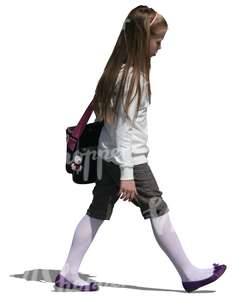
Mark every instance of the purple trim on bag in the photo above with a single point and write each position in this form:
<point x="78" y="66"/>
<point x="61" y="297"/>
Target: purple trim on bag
<point x="77" y="132"/>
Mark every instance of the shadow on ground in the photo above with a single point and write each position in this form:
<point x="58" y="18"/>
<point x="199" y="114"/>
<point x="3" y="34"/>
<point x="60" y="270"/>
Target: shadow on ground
<point x="45" y="275"/>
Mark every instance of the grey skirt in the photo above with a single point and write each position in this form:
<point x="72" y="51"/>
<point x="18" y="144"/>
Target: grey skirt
<point x="105" y="192"/>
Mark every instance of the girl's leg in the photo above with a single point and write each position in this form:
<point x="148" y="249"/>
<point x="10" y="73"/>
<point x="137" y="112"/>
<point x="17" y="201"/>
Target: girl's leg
<point x="83" y="236"/>
<point x="171" y="245"/>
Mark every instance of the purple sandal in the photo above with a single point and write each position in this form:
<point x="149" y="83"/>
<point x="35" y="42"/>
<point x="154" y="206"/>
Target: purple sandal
<point x="190" y="286"/>
<point x="62" y="282"/>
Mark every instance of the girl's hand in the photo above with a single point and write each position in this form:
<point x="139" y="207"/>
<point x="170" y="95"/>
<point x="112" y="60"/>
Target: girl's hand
<point x="128" y="190"/>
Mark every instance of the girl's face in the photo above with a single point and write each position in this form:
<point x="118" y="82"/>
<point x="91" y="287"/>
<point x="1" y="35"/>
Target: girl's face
<point x="155" y="43"/>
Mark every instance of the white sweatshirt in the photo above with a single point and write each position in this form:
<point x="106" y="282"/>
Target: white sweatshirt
<point x="123" y="143"/>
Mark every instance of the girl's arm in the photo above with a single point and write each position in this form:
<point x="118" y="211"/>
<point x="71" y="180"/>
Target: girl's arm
<point x="123" y="135"/>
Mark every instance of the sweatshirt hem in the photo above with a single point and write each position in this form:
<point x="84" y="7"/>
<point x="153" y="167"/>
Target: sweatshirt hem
<point x="137" y="160"/>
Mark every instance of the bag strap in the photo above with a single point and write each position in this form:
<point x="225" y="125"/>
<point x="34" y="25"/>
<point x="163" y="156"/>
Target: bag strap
<point x="77" y="132"/>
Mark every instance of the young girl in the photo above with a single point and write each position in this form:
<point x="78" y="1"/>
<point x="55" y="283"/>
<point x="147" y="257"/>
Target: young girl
<point x="121" y="101"/>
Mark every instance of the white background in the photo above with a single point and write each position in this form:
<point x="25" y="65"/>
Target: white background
<point x="52" y="56"/>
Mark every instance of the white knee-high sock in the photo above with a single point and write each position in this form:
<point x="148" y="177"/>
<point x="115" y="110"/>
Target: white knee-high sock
<point x="171" y="245"/>
<point x="83" y="236"/>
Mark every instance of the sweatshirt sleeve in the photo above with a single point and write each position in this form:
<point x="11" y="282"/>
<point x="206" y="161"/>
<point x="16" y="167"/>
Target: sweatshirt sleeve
<point x="123" y="135"/>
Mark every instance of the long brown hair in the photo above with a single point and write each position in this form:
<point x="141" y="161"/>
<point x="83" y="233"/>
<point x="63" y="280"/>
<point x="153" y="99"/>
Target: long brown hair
<point x="132" y="50"/>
